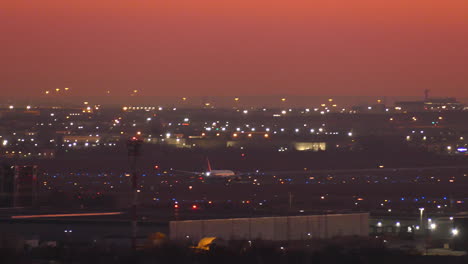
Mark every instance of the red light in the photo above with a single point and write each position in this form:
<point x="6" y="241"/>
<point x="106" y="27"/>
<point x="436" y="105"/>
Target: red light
<point x="134" y="138"/>
<point x="243" y="155"/>
<point x="156" y="167"/>
<point x="176" y="206"/>
<point x="194" y="206"/>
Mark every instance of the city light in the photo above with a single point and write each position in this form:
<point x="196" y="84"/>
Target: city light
<point x="454" y="231"/>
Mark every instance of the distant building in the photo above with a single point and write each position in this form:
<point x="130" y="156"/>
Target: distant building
<point x="370" y="109"/>
<point x="431" y="104"/>
<point x="7" y="176"/>
<point x="25" y="186"/>
<point x="310" y="146"/>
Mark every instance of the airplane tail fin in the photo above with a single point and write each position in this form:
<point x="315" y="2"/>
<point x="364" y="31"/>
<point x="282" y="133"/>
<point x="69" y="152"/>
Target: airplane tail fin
<point x="208" y="165"/>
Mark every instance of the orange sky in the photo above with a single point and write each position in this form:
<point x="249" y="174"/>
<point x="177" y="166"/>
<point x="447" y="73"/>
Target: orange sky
<point x="217" y="47"/>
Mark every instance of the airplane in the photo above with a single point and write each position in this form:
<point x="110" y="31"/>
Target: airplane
<point x="213" y="174"/>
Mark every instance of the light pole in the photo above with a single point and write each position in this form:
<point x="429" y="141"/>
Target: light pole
<point x="134" y="146"/>
<point x="421" y="211"/>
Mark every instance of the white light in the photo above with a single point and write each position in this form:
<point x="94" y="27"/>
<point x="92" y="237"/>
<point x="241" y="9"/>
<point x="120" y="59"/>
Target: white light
<point x="379" y="224"/>
<point x="455" y="231"/>
<point x="5" y="142"/>
<point x="433" y="226"/>
<point x="398" y="224"/>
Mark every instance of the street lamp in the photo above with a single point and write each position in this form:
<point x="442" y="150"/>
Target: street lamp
<point x="134" y="149"/>
<point x="421" y="211"/>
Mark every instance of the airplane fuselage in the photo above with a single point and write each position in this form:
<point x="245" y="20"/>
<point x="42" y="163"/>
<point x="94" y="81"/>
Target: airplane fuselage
<point x="220" y="173"/>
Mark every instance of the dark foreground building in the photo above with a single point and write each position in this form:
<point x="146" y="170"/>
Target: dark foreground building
<point x="284" y="228"/>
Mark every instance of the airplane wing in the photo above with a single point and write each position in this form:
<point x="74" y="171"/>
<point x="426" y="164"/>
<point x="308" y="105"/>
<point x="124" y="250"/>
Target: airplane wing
<point x="189" y="172"/>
